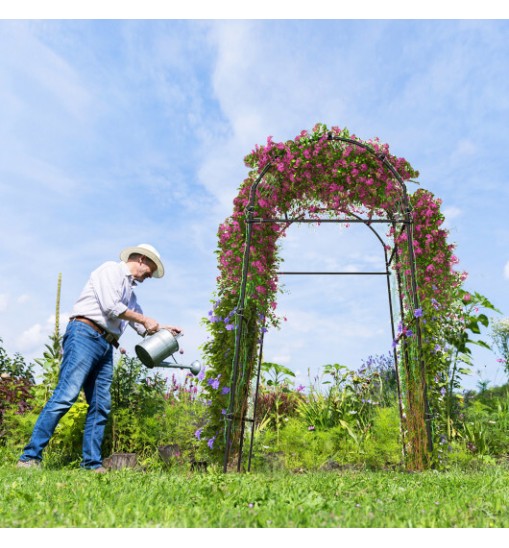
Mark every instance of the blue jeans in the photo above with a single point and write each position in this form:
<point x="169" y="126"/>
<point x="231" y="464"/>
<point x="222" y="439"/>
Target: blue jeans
<point x="87" y="363"/>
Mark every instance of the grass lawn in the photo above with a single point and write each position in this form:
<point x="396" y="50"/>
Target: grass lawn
<point x="130" y="499"/>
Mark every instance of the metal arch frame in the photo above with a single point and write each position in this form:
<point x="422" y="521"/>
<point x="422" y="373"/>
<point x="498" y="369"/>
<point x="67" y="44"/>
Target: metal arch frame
<point x="406" y="223"/>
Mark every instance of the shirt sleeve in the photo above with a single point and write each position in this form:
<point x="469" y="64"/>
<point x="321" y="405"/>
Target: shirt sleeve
<point x="108" y="283"/>
<point x="138" y="327"/>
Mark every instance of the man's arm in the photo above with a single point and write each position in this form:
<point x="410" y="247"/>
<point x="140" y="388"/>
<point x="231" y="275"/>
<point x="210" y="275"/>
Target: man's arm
<point x="151" y="325"/>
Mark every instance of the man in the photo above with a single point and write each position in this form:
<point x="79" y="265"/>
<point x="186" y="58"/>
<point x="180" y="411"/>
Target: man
<point x="105" y="307"/>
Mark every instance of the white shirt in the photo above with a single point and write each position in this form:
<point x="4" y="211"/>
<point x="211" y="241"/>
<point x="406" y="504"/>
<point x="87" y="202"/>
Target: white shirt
<point x="107" y="294"/>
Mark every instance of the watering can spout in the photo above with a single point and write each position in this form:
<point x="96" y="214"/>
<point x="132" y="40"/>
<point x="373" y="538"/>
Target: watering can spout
<point x="194" y="368"/>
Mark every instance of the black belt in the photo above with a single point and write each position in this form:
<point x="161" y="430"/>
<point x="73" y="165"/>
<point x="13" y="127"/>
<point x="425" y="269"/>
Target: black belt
<point x="108" y="336"/>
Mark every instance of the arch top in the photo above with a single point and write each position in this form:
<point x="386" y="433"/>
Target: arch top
<point x="307" y="170"/>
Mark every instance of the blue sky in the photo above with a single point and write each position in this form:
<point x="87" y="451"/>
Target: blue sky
<point x="119" y="132"/>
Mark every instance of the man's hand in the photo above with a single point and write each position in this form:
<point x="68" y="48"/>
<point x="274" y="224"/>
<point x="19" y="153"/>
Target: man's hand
<point x="174" y="330"/>
<point x="152" y="326"/>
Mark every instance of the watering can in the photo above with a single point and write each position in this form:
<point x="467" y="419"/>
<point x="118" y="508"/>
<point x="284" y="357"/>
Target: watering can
<point x="154" y="349"/>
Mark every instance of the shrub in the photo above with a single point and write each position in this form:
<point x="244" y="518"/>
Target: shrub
<point x="382" y="447"/>
<point x="16" y="387"/>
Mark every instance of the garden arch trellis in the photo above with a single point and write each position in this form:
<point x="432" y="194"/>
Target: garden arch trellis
<point x="327" y="171"/>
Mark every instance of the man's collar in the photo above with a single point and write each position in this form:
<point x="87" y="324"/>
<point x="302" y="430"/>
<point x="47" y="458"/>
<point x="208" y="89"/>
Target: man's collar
<point x="128" y="273"/>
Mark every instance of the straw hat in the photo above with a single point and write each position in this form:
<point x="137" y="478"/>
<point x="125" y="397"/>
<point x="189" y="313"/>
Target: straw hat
<point x="150" y="252"/>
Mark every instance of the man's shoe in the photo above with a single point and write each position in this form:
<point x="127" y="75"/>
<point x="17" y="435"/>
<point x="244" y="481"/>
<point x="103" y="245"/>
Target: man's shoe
<point x="31" y="463"/>
<point x="100" y="470"/>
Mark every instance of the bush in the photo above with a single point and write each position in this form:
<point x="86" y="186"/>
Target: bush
<point x="150" y="411"/>
<point x="16" y="388"/>
<point x="382" y="447"/>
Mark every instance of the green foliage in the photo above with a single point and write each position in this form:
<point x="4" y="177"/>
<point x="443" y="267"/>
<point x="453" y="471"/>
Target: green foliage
<point x="500" y="337"/>
<point x="15" y="366"/>
<point x="52" y="356"/>
<point x="383" y="381"/>
<point x="137" y="400"/>
<point x="340" y="422"/>
<point x="277" y="400"/>
<point x="149" y="411"/>
<point x="16" y="430"/>
<point x="276" y="374"/>
<point x="344" y="402"/>
<point x="50" y="363"/>
<point x="382" y="447"/>
<point x="461" y="332"/>
<point x="485" y="425"/>
<point x="16" y="387"/>
<point x="65" y="446"/>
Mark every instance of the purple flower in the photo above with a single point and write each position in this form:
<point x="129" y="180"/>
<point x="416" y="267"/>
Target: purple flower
<point x="230" y="327"/>
<point x="214" y="382"/>
<point x="418" y="313"/>
<point x="225" y="390"/>
<point x="198" y="433"/>
<point x="211" y="441"/>
<point x="300" y="388"/>
<point x="311" y="427"/>
<point x="409" y="333"/>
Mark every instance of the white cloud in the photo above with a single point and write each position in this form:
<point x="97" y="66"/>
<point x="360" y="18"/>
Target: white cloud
<point x="506" y="270"/>
<point x="23" y="298"/>
<point x="36" y="336"/>
<point x="31" y="338"/>
<point x="4" y="301"/>
<point x="452" y="212"/>
<point x="465" y="147"/>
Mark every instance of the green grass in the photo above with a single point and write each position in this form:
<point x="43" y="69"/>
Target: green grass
<point x="75" y="498"/>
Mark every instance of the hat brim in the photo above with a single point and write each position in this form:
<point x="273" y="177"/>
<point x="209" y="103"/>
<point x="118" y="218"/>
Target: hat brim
<point x="128" y="251"/>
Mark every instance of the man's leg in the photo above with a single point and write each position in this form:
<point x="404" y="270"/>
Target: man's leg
<point x="79" y="356"/>
<point x="97" y="391"/>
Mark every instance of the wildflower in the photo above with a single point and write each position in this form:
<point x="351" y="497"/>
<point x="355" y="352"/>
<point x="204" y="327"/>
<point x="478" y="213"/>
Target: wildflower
<point x="225" y="390"/>
<point x="211" y="441"/>
<point x="214" y="383"/>
<point x="418" y="313"/>
<point x="300" y="388"/>
<point x="310" y="428"/>
<point x="198" y="433"/>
